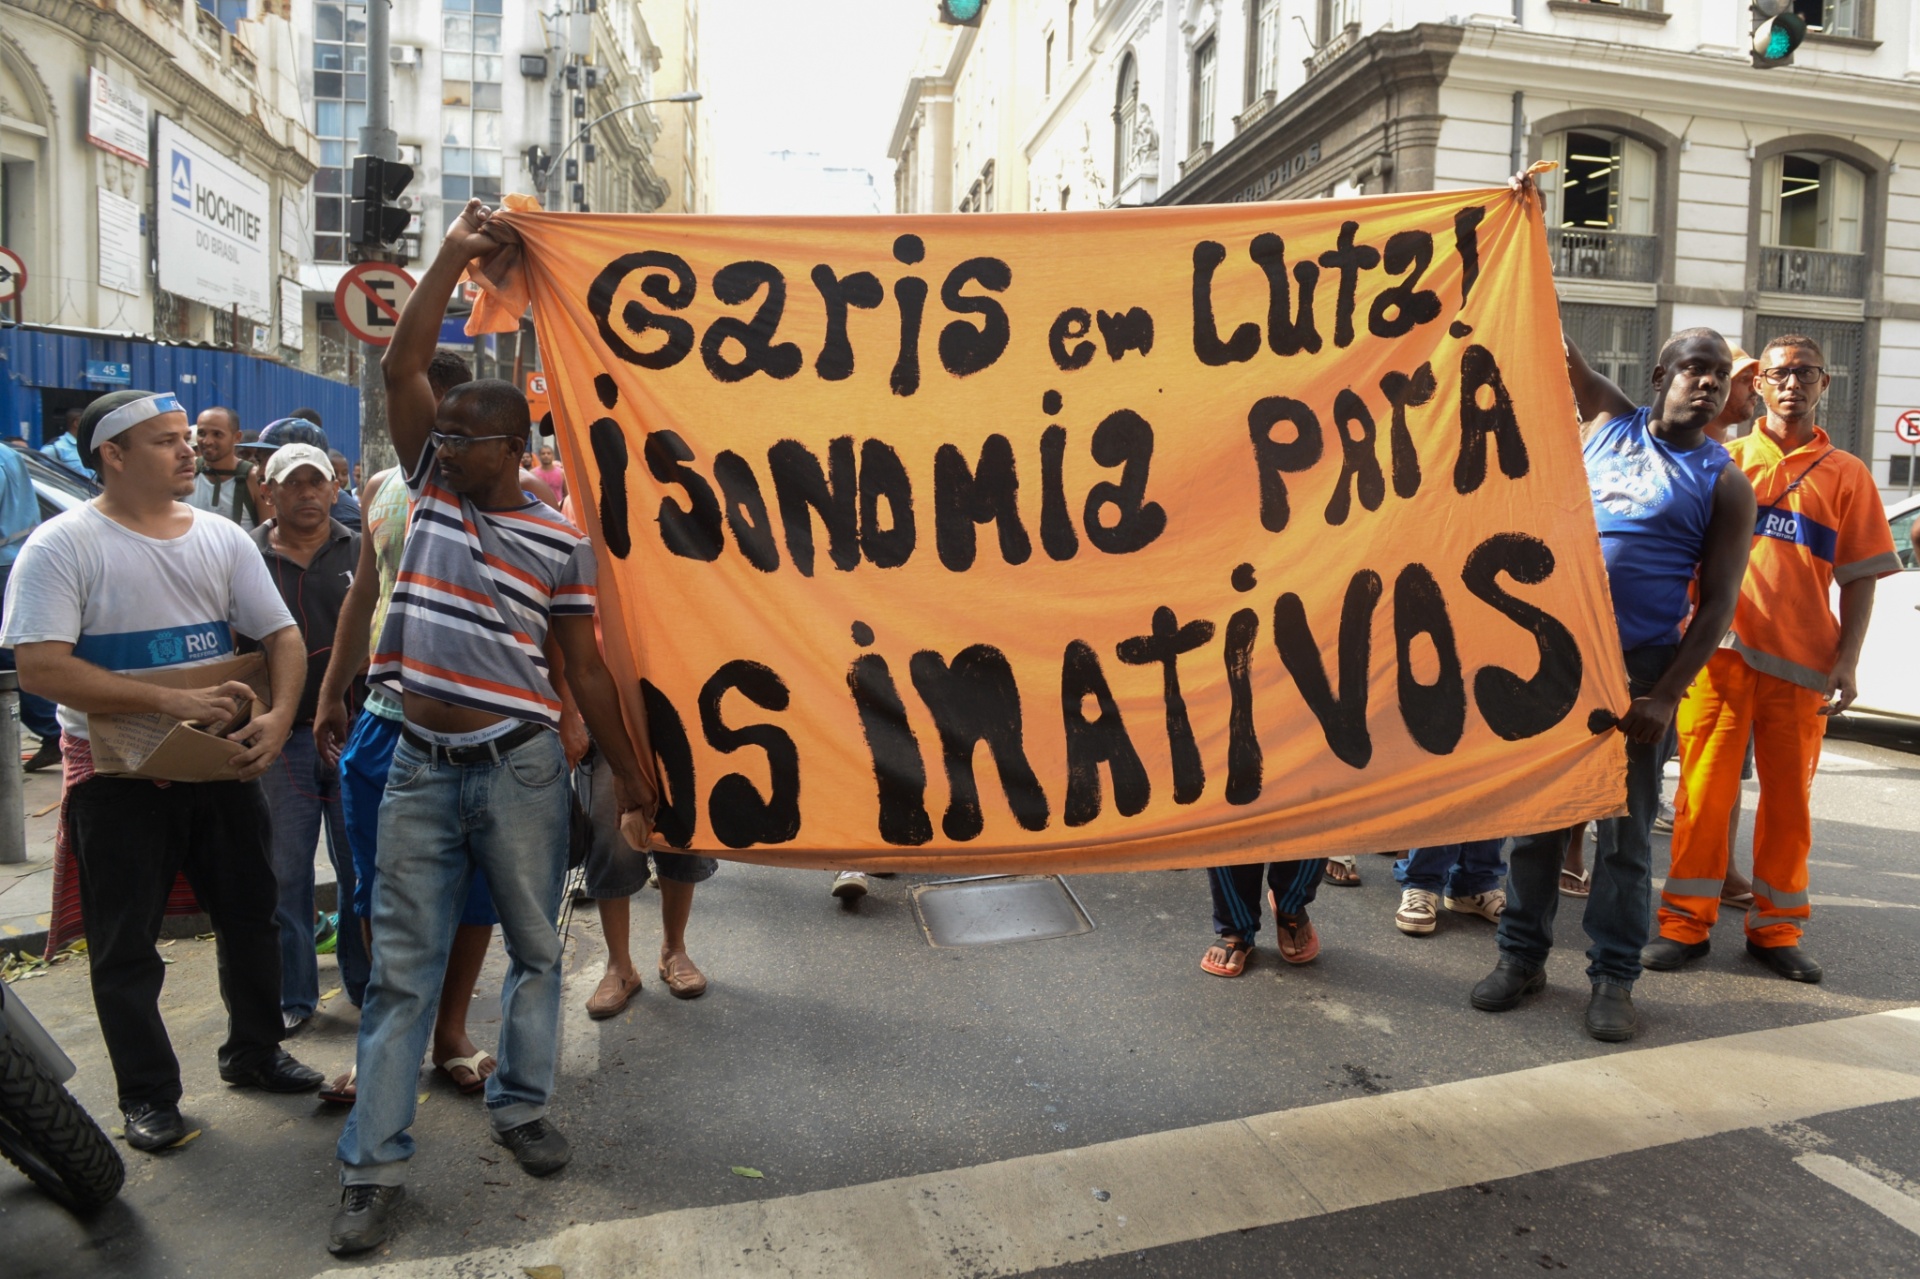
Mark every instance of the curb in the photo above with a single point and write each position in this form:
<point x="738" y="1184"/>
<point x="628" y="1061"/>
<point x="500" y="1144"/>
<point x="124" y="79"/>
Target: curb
<point x="174" y="927"/>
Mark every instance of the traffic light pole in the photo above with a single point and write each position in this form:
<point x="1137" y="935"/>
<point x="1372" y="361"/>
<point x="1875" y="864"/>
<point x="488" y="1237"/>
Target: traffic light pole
<point x="377" y="138"/>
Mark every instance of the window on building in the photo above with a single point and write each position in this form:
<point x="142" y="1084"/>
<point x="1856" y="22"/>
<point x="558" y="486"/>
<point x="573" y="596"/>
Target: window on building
<point x="339" y="111"/>
<point x="470" y="100"/>
<point x="1617" y="341"/>
<point x="1336" y="16"/>
<point x="1841" y="343"/>
<point x="231" y="13"/>
<point x="1047" y="71"/>
<point x="1833" y="17"/>
<point x="1812" y="202"/>
<point x="1205" y="59"/>
<point x="1126" y="120"/>
<point x="1599" y="203"/>
<point x="1071" y="6"/>
<point x="1265" y="48"/>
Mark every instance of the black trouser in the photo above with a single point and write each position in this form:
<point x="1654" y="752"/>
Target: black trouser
<point x="130" y="839"/>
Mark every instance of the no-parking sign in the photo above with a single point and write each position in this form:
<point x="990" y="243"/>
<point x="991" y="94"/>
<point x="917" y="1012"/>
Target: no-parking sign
<point x="368" y="300"/>
<point x="13" y="275"/>
<point x="1906" y="427"/>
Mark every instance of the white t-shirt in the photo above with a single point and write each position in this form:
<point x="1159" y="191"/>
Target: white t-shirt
<point x="128" y="602"/>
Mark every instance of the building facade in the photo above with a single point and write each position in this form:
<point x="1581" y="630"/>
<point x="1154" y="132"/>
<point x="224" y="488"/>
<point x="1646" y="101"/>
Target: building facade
<point x="682" y="155"/>
<point x="482" y="91"/>
<point x="1693" y="187"/>
<point x="153" y="161"/>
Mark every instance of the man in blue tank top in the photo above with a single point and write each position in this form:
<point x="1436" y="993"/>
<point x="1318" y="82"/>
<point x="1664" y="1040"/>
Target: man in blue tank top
<point x="1672" y="510"/>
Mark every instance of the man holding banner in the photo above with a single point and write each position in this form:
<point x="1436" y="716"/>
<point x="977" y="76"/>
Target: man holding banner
<point x="1669" y="503"/>
<point x="479" y="777"/>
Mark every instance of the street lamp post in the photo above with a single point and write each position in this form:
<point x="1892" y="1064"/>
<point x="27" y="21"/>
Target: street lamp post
<point x="556" y="170"/>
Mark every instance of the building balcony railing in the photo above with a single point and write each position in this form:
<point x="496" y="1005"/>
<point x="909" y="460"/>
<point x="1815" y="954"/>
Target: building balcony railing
<point x="1200" y="155"/>
<point x="1582" y="254"/>
<point x="1337" y="45"/>
<point x="1261" y="104"/>
<point x="1812" y="271"/>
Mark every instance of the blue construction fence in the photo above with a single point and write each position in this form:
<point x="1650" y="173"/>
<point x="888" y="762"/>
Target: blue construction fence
<point x="45" y="372"/>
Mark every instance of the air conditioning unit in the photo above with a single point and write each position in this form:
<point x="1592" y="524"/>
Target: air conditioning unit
<point x="404" y="55"/>
<point x="410" y="155"/>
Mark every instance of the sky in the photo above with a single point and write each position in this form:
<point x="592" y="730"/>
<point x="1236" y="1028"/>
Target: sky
<point x="803" y="95"/>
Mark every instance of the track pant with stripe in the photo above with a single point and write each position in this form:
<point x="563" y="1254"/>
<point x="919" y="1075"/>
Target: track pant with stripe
<point x="1728" y="701"/>
<point x="1236" y="892"/>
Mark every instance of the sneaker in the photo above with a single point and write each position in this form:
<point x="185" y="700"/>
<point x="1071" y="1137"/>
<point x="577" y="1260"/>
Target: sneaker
<point x="1663" y="821"/>
<point x="1489" y="905"/>
<point x="537" y="1146"/>
<point x="365" y="1218"/>
<point x="326" y="935"/>
<point x="850" y="885"/>
<point x="1419" y="912"/>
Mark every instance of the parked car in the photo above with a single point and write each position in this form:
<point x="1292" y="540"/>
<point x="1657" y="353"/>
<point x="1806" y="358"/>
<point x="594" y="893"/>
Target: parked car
<point x="1890" y="660"/>
<point x="57" y="488"/>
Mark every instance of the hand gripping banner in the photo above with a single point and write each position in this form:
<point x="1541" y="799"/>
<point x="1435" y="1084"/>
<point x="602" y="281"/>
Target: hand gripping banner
<point x="1073" y="542"/>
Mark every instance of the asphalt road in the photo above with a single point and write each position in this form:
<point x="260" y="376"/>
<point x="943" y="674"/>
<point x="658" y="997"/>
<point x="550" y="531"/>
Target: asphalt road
<point x="872" y="1078"/>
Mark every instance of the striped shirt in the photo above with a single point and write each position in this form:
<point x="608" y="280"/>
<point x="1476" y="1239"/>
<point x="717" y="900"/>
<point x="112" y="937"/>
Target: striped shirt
<point x="468" y="620"/>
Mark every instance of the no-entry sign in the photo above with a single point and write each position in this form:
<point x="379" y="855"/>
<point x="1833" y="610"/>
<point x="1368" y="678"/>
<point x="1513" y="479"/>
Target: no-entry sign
<point x="368" y="300"/>
<point x="13" y="275"/>
<point x="1906" y="427"/>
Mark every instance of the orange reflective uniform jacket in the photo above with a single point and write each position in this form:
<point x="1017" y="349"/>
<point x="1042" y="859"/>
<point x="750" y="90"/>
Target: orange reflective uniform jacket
<point x="1821" y="522"/>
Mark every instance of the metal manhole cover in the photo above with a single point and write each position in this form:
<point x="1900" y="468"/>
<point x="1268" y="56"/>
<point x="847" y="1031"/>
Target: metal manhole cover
<point x="999" y="908"/>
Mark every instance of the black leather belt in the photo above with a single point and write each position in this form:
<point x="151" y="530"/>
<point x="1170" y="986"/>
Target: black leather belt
<point x="487" y="752"/>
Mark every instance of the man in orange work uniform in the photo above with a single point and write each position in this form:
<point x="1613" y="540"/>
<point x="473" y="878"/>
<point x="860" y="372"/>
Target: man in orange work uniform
<point x="1787" y="666"/>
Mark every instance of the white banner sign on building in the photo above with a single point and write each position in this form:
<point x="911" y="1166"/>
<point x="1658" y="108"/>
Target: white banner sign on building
<point x="212" y="238"/>
<point x="116" y="117"/>
<point x="293" y="320"/>
<point x="119" y="243"/>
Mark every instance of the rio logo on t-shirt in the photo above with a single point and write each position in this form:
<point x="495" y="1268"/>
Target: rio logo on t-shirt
<point x="166" y="646"/>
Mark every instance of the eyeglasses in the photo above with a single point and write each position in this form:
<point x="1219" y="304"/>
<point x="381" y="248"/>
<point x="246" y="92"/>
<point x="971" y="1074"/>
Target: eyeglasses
<point x="447" y="442"/>
<point x="1805" y="374"/>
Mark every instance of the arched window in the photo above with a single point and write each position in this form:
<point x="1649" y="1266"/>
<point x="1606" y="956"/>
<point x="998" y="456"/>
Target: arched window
<point x="1600" y="205"/>
<point x="1126" y="119"/>
<point x="1812" y="208"/>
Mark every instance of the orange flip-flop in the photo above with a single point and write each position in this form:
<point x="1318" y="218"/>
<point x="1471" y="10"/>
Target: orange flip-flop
<point x="1239" y="953"/>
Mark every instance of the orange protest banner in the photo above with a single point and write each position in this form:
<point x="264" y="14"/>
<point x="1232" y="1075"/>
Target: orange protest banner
<point x="1085" y="542"/>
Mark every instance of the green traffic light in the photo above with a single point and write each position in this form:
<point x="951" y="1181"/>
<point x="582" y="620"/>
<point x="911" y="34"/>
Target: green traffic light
<point x="1779" y="44"/>
<point x="964" y="10"/>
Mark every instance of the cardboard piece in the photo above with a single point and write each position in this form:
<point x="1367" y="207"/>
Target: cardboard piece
<point x="165" y="749"/>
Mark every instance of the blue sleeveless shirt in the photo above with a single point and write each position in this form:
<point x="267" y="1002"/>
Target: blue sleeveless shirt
<point x="1652" y="504"/>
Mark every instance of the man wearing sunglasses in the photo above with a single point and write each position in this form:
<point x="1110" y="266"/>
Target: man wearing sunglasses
<point x="479" y="779"/>
<point x="1787" y="666"/>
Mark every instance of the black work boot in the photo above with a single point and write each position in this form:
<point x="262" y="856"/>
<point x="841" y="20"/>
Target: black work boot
<point x="1664" y="954"/>
<point x="1610" y="1015"/>
<point x="1508" y="983"/>
<point x="1789" y="961"/>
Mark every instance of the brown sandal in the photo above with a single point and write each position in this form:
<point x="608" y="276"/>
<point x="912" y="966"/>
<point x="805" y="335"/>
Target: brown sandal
<point x="684" y="980"/>
<point x="1236" y="953"/>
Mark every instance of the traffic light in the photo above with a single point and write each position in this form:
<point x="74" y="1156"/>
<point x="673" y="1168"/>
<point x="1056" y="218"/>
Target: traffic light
<point x="538" y="162"/>
<point x="1777" y="32"/>
<point x="961" y="13"/>
<point x="374" y="218"/>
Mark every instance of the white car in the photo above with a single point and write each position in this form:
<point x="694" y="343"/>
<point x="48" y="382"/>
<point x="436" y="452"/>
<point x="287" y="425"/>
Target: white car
<point x="1890" y="660"/>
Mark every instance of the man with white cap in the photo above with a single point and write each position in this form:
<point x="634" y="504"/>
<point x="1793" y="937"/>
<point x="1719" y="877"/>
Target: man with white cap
<point x="133" y="581"/>
<point x="311" y="558"/>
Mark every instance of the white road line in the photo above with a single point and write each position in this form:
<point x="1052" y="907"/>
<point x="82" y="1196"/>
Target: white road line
<point x="1023" y="1214"/>
<point x="1868" y="1189"/>
<point x="1819" y="899"/>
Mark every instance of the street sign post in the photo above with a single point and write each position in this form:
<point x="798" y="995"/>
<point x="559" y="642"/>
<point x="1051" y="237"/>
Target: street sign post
<point x="1906" y="429"/>
<point x="368" y="300"/>
<point x="13" y="276"/>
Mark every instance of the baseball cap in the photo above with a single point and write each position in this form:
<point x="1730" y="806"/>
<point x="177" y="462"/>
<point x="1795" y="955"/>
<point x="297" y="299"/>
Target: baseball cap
<point x="1741" y="359"/>
<point x="285" y="431"/>
<point x="291" y="457"/>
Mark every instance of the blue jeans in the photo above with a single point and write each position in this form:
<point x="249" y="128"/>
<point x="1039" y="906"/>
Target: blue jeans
<point x="439" y="822"/>
<point x="1455" y="870"/>
<point x="303" y="796"/>
<point x="364" y="766"/>
<point x="1620" y="900"/>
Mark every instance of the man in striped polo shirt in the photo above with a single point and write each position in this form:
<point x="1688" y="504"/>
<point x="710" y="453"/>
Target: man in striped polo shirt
<point x="479" y="778"/>
<point x="1788" y="665"/>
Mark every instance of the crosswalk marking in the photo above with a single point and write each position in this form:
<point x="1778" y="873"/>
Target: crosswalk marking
<point x="1867" y="1188"/>
<point x="1015" y="1215"/>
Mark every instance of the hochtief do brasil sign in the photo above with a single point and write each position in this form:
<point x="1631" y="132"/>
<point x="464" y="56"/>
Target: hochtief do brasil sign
<point x="1077" y="542"/>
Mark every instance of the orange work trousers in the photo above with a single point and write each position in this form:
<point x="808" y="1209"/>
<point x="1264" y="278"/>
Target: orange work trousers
<point x="1729" y="700"/>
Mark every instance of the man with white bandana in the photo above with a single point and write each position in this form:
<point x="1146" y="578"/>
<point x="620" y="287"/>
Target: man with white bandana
<point x="133" y="581"/>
